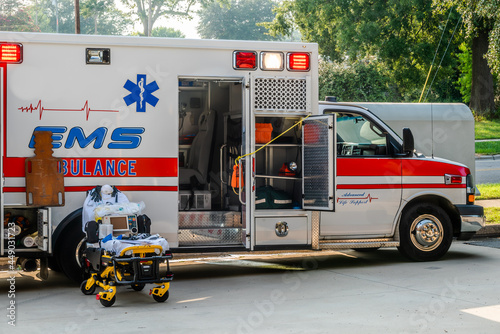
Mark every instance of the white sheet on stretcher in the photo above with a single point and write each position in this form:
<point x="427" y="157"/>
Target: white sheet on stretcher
<point x="116" y="245"/>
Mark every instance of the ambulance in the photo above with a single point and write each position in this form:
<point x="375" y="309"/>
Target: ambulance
<point x="226" y="144"/>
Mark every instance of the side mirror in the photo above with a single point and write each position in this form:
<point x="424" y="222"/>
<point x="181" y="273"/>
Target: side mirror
<point x="408" y="142"/>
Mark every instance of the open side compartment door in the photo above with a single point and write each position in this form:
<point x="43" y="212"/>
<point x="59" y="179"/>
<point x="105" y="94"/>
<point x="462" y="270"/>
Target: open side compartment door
<point x="319" y="162"/>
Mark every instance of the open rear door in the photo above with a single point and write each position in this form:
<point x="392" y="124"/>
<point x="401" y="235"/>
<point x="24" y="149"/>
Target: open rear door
<point x="319" y="162"/>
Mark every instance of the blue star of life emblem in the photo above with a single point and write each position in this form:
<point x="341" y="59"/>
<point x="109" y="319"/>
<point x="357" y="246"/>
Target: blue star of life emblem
<point x="141" y="93"/>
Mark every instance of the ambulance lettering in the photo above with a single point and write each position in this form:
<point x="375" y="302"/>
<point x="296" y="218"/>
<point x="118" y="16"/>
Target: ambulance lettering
<point x="99" y="167"/>
<point x="123" y="138"/>
<point x="355" y="198"/>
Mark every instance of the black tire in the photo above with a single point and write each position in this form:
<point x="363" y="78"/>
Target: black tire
<point x="53" y="265"/>
<point x="425" y="232"/>
<point x="68" y="256"/>
<point x="138" y="287"/>
<point x="366" y="250"/>
<point x="86" y="291"/>
<point x="108" y="303"/>
<point x="161" y="299"/>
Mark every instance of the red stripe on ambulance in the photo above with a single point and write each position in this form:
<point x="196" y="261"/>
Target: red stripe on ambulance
<point x="103" y="167"/>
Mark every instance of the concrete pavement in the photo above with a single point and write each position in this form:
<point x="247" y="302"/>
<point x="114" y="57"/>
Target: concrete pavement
<point x="310" y="292"/>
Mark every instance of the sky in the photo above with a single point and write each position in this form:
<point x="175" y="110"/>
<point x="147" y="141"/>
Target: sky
<point x="188" y="27"/>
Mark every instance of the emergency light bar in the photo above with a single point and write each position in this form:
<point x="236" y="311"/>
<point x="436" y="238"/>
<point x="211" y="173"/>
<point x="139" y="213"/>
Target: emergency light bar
<point x="11" y="53"/>
<point x="271" y="61"/>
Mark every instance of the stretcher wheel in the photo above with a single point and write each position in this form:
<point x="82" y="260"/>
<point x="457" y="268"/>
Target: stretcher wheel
<point x="108" y="303"/>
<point x="85" y="291"/>
<point x="138" y="287"/>
<point x="162" y="298"/>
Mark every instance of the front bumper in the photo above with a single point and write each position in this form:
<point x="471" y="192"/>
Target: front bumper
<point x="472" y="217"/>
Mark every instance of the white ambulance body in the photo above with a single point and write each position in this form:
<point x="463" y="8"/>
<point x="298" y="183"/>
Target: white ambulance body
<point x="165" y="121"/>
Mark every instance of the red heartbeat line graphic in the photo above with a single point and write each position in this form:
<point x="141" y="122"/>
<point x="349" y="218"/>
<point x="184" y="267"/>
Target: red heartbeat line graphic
<point x="369" y="198"/>
<point x="42" y="109"/>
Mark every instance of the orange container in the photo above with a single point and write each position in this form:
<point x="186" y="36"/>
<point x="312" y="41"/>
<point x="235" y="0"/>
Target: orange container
<point x="263" y="132"/>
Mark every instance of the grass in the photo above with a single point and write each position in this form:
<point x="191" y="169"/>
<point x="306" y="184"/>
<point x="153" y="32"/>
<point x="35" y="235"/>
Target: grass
<point x="492" y="215"/>
<point x="489" y="191"/>
<point x="487" y="129"/>
<point x="488" y="147"/>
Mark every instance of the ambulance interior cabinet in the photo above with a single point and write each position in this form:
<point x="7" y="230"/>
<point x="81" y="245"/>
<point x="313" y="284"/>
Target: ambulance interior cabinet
<point x="28" y="228"/>
<point x="278" y="165"/>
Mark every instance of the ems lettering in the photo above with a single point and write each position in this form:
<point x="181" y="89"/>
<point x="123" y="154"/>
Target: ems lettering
<point x="123" y="138"/>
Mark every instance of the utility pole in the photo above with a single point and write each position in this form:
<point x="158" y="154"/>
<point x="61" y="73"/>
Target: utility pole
<point x="77" y="16"/>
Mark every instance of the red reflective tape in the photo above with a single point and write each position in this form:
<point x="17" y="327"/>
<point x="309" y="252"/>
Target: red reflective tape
<point x="103" y="167"/>
<point x="85" y="188"/>
<point x="421" y="167"/>
<point x="433" y="185"/>
<point x="353" y="166"/>
<point x="399" y="186"/>
<point x="368" y="167"/>
<point x="369" y="186"/>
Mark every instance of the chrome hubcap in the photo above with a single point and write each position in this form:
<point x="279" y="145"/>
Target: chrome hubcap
<point x="426" y="232"/>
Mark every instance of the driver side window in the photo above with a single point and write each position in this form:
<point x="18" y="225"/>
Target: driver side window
<point x="357" y="136"/>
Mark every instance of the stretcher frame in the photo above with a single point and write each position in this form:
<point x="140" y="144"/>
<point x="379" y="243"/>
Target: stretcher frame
<point x="107" y="271"/>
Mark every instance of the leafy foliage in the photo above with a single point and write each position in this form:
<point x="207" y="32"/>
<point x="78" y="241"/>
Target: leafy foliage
<point x="97" y="17"/>
<point x="238" y="20"/>
<point x="483" y="14"/>
<point x="358" y="82"/>
<point x="17" y="20"/>
<point x="400" y="34"/>
<point x="465" y="67"/>
<point x="167" y="32"/>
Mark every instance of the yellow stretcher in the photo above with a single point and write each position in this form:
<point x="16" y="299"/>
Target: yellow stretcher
<point x="136" y="266"/>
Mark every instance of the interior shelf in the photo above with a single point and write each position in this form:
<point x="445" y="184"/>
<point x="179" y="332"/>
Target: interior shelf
<point x="279" y="177"/>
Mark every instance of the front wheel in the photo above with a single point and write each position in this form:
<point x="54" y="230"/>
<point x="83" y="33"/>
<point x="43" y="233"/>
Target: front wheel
<point x="108" y="303"/>
<point x="162" y="298"/>
<point x="425" y="232"/>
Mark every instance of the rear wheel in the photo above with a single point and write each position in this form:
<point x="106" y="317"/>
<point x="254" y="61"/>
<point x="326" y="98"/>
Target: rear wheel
<point x="138" y="287"/>
<point x="85" y="291"/>
<point x="425" y="232"/>
<point x="70" y="252"/>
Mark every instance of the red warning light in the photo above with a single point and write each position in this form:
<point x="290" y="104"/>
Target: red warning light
<point x="245" y="60"/>
<point x="298" y="61"/>
<point x="11" y="53"/>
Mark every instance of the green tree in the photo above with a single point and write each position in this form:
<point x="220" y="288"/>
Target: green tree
<point x="167" y="32"/>
<point x="101" y="17"/>
<point x="237" y="20"/>
<point x="149" y="11"/>
<point x="14" y="17"/>
<point x="465" y="67"/>
<point x="401" y="34"/>
<point x="358" y="82"/>
<point x="482" y="23"/>
<point x="97" y="17"/>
